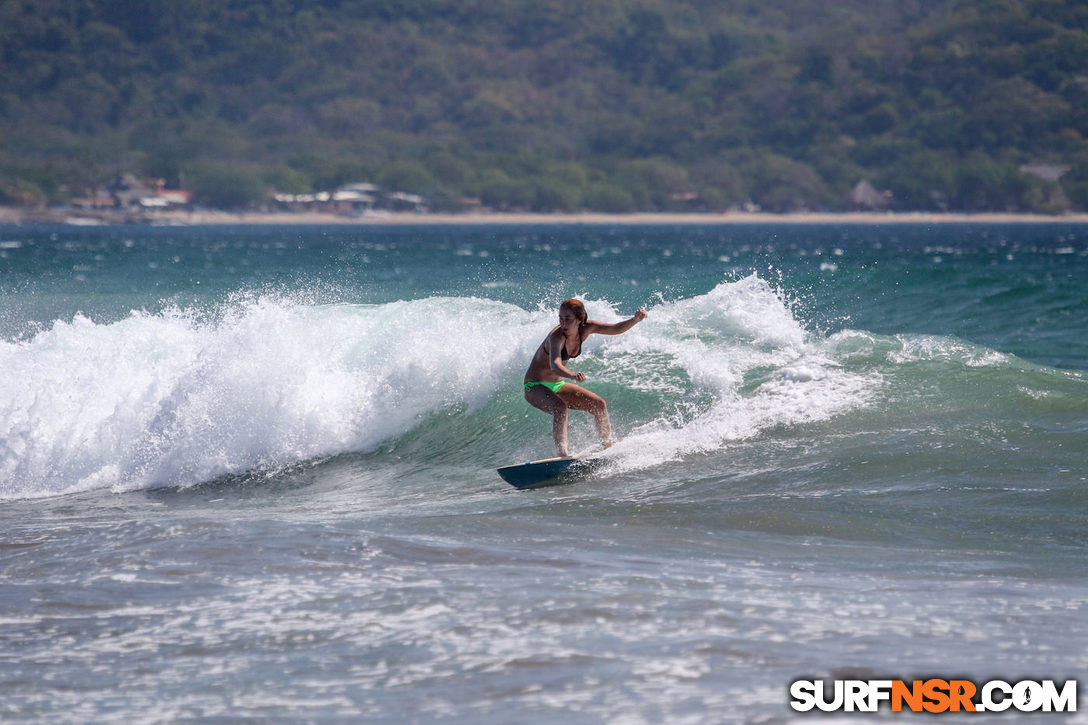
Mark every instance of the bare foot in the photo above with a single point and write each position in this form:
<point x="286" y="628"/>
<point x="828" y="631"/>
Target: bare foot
<point x="607" y="444"/>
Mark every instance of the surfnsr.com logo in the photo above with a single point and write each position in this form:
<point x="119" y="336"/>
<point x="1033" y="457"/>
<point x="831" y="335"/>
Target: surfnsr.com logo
<point x="933" y="696"/>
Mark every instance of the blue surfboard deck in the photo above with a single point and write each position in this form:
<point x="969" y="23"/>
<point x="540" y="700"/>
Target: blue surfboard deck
<point x="547" y="472"/>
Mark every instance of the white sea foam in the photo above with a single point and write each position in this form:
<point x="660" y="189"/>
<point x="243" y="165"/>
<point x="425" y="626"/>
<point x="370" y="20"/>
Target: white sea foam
<point x="184" y="396"/>
<point x="748" y="355"/>
<point x="174" y="399"/>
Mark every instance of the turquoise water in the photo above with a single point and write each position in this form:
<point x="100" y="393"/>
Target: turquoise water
<point x="249" y="472"/>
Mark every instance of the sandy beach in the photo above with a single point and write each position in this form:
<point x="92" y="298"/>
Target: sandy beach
<point x="13" y="215"/>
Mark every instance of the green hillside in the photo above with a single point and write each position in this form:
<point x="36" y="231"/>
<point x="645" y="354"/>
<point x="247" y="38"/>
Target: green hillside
<point x="557" y="105"/>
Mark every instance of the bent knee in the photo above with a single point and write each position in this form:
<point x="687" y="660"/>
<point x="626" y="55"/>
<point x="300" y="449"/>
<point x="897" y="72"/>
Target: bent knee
<point x="554" y="406"/>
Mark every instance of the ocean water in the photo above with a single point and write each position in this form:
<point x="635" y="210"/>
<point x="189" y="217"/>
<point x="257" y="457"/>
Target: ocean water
<point x="248" y="473"/>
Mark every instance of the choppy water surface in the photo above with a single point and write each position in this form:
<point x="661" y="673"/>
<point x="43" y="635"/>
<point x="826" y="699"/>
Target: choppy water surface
<point x="249" y="472"/>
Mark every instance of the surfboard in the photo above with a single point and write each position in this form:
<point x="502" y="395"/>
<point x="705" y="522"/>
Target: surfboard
<point x="548" y="471"/>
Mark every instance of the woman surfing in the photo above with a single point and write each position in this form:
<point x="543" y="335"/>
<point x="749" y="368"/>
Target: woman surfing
<point x="546" y="380"/>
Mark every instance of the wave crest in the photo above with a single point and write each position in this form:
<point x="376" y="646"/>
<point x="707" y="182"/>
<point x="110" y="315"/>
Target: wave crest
<point x="175" y="399"/>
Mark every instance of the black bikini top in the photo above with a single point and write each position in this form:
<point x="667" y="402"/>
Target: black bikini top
<point x="566" y="355"/>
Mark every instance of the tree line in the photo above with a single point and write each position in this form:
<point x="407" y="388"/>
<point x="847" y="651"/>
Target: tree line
<point x="558" y="106"/>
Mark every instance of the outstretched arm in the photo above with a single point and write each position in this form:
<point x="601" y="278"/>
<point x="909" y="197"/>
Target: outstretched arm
<point x="616" y="328"/>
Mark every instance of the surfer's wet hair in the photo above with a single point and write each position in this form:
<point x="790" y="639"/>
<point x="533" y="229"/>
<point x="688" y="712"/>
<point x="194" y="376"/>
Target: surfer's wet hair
<point x="577" y="308"/>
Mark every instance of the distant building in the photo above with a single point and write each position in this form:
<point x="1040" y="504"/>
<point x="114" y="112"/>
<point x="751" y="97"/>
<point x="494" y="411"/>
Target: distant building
<point x="358" y="199"/>
<point x="402" y="201"/>
<point x="1046" y="172"/>
<point x="126" y="191"/>
<point x="176" y="197"/>
<point x="865" y="196"/>
<point x="687" y="200"/>
<point x="1051" y="174"/>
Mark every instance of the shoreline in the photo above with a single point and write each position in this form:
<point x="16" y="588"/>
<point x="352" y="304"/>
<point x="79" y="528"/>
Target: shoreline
<point x="73" y="217"/>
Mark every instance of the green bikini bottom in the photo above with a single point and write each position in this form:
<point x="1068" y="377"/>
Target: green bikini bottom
<point x="554" y="387"/>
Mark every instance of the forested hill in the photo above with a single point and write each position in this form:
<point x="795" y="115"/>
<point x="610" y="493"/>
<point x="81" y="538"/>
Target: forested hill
<point x="607" y="105"/>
